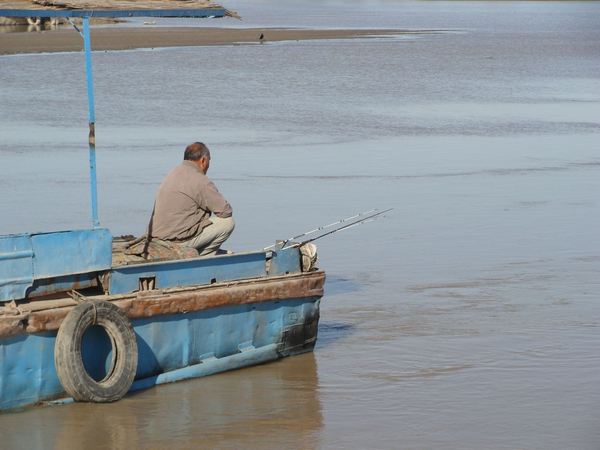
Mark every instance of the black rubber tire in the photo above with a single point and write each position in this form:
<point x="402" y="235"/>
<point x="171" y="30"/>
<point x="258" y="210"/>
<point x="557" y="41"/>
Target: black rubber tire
<point x="69" y="363"/>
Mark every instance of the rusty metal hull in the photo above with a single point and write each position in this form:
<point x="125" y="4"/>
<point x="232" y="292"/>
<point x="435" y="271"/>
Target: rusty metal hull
<point x="180" y="332"/>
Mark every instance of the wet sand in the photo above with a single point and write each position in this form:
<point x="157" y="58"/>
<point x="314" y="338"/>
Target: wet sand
<point x="129" y="38"/>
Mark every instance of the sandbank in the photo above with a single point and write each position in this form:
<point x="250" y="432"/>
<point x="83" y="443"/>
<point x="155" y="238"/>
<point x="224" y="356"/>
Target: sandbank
<point x="114" y="38"/>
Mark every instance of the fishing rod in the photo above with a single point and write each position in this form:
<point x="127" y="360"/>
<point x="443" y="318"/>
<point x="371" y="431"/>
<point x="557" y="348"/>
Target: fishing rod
<point x="324" y="227"/>
<point x="370" y="218"/>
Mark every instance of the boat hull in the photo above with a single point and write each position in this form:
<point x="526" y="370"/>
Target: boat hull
<point x="180" y="334"/>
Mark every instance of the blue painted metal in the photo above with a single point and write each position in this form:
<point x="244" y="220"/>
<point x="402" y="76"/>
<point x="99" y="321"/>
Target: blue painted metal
<point x="250" y="357"/>
<point x="25" y="259"/>
<point x="211" y="366"/>
<point x="231" y="337"/>
<point x="27" y="372"/>
<point x="92" y="119"/>
<point x="71" y="252"/>
<point x="284" y="261"/>
<point x="16" y="266"/>
<point x="62" y="284"/>
<point x="192" y="12"/>
<point x="188" y="272"/>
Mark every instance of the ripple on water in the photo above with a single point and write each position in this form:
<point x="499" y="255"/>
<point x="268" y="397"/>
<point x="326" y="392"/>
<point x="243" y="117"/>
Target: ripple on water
<point x="424" y="373"/>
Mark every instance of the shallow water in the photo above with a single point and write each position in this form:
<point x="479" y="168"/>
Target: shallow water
<point x="468" y="318"/>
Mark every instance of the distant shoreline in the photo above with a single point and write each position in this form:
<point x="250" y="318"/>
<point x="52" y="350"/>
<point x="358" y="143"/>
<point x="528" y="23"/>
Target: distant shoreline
<point x="115" y="38"/>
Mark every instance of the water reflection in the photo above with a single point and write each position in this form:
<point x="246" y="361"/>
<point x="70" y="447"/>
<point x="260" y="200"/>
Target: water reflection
<point x="271" y="405"/>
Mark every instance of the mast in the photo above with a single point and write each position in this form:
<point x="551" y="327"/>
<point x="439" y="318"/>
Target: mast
<point x="87" y="46"/>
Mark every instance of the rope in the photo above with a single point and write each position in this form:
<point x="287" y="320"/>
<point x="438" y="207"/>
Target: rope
<point x="80" y="298"/>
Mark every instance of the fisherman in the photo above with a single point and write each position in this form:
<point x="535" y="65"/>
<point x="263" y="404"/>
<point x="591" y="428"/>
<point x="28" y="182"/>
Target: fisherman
<point x="189" y="209"/>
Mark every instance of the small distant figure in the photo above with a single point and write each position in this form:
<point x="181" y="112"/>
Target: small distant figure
<point x="261" y="38"/>
<point x="189" y="209"/>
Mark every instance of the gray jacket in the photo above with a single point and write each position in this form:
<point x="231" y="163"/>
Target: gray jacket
<point x="184" y="202"/>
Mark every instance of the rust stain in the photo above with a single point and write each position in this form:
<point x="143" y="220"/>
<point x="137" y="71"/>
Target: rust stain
<point x="43" y="288"/>
<point x="48" y="317"/>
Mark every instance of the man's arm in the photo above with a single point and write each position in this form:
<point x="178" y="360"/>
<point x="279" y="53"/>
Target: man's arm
<point x="215" y="202"/>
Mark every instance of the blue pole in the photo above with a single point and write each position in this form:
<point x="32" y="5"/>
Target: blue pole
<point x="92" y="119"/>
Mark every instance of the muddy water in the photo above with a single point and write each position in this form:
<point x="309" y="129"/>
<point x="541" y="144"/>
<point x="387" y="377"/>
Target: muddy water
<point x="469" y="318"/>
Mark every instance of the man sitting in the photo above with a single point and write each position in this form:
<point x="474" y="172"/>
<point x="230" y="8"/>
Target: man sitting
<point x="185" y="201"/>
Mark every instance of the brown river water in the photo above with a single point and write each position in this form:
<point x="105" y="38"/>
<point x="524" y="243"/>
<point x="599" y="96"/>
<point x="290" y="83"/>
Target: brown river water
<point x="469" y="318"/>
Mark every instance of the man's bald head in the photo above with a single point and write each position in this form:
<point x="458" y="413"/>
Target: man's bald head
<point x="198" y="154"/>
<point x="195" y="151"/>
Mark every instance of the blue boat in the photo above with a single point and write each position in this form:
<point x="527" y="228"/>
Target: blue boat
<point x="74" y="324"/>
